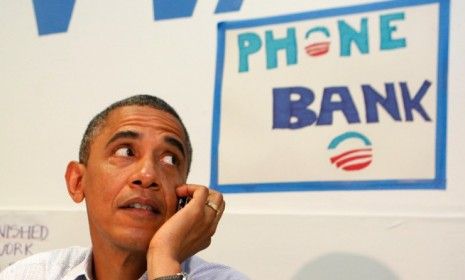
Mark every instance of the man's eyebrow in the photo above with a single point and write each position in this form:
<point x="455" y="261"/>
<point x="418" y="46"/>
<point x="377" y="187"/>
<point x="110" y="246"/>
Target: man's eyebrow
<point x="123" y="134"/>
<point x="176" y="143"/>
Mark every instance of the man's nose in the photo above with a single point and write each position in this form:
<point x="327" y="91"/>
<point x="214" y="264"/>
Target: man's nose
<point x="145" y="175"/>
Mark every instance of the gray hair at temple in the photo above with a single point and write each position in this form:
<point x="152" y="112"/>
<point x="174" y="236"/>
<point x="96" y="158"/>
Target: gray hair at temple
<point x="137" y="100"/>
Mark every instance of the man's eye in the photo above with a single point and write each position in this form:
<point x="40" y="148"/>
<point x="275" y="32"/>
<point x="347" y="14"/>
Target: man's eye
<point x="124" y="152"/>
<point x="170" y="159"/>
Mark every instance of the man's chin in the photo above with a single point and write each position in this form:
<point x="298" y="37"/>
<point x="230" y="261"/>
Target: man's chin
<point x="134" y="239"/>
<point x="138" y="243"/>
<point x="124" y="233"/>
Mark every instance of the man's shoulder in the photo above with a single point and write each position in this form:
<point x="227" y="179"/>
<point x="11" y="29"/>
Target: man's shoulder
<point x="56" y="262"/>
<point x="198" y="268"/>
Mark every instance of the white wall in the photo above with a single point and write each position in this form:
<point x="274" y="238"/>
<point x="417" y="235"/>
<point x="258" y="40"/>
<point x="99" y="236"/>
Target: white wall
<point x="52" y="85"/>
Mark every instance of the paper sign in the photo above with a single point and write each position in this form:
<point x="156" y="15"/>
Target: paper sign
<point x="339" y="99"/>
<point x="24" y="233"/>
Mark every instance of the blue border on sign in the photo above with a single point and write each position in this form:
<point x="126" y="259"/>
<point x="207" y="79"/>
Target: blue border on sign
<point x="439" y="181"/>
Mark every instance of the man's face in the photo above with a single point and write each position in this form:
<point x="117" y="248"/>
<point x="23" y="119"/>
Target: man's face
<point x="136" y="161"/>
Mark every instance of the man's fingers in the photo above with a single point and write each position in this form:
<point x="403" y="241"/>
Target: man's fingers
<point x="206" y="206"/>
<point x="202" y="195"/>
<point x="193" y="191"/>
<point x="214" y="204"/>
<point x="214" y="215"/>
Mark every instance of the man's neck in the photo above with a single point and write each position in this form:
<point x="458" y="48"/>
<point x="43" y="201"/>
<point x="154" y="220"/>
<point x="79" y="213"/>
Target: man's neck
<point x="115" y="263"/>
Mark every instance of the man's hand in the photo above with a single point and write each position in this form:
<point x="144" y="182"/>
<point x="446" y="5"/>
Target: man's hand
<point x="186" y="232"/>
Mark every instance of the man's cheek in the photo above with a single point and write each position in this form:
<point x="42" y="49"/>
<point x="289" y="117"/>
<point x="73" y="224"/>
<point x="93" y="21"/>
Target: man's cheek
<point x="170" y="198"/>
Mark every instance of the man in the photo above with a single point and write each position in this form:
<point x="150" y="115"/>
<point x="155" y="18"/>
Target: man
<point x="133" y="164"/>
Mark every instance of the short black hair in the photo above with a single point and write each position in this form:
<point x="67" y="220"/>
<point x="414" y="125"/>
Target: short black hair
<point x="137" y="100"/>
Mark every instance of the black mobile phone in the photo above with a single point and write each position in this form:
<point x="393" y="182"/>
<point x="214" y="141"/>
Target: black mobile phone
<point x="182" y="201"/>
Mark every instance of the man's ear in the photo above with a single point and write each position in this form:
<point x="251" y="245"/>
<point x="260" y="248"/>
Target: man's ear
<point x="74" y="176"/>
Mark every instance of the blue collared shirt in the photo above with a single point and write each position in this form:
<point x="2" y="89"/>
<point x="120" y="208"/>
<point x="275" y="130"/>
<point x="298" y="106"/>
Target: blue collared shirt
<point x="75" y="263"/>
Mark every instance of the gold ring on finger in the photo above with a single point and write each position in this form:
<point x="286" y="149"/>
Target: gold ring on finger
<point x="213" y="206"/>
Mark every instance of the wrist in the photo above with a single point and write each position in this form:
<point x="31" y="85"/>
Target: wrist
<point x="162" y="265"/>
<point x="177" y="276"/>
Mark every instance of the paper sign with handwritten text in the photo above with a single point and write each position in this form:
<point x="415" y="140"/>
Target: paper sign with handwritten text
<point x="24" y="233"/>
<point x="339" y="99"/>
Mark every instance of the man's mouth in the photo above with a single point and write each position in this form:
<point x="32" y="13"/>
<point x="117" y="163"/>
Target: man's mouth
<point x="141" y="206"/>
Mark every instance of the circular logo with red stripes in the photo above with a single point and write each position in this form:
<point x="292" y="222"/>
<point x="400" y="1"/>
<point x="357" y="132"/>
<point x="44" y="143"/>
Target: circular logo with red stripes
<point x="319" y="45"/>
<point x="352" y="151"/>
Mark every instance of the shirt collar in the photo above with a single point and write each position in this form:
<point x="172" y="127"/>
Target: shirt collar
<point x="81" y="271"/>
